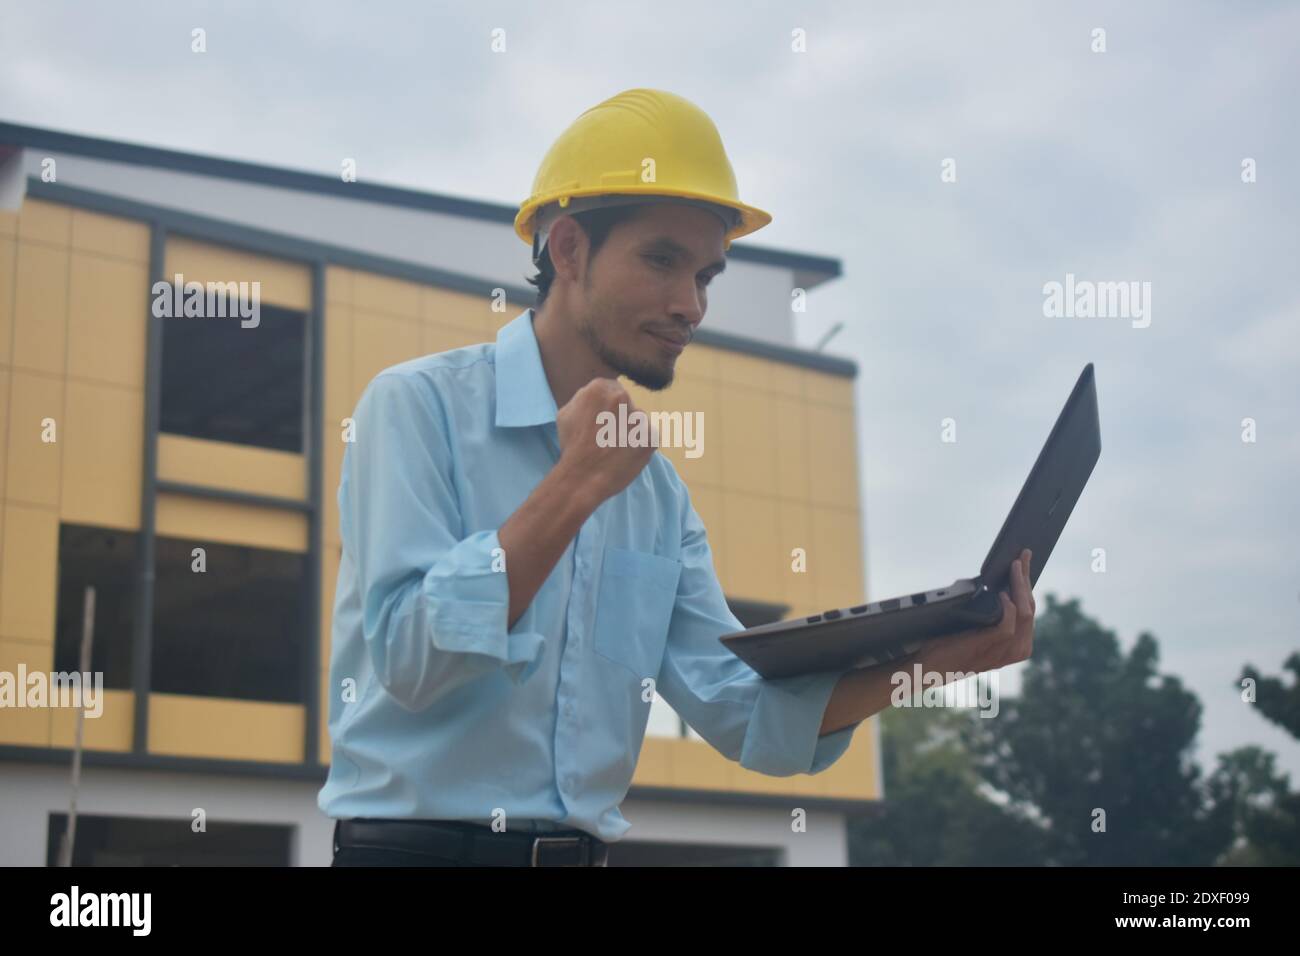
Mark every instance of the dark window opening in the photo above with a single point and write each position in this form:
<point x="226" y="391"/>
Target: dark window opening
<point x="237" y="629"/>
<point x="146" y="841"/>
<point x="224" y="382"/>
<point x="104" y="558"/>
<point x="636" y="853"/>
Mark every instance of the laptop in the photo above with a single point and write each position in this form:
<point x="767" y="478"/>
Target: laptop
<point x="851" y="637"/>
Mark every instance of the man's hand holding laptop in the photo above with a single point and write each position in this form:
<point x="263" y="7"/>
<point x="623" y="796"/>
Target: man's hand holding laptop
<point x="1010" y="641"/>
<point x="865" y="691"/>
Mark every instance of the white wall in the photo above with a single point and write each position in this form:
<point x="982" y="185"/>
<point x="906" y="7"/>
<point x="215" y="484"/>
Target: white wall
<point x="30" y="792"/>
<point x="824" y="843"/>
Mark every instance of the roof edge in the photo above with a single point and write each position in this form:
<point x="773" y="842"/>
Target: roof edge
<point x="285" y="178"/>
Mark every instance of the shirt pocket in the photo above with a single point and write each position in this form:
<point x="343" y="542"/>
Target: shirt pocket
<point x="638" y="590"/>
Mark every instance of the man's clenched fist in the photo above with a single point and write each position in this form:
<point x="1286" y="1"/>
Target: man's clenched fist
<point x="602" y="471"/>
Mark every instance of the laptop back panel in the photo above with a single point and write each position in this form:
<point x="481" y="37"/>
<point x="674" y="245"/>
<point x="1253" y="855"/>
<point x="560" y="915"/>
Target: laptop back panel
<point x="1053" y="487"/>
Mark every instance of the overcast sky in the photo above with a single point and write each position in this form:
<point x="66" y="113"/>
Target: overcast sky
<point x="1123" y="165"/>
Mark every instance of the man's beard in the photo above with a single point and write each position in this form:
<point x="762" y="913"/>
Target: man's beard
<point x="645" y="374"/>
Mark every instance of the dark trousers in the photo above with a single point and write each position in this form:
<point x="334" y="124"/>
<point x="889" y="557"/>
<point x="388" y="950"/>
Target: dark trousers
<point x="398" y="856"/>
<point x="367" y="856"/>
<point x="386" y="856"/>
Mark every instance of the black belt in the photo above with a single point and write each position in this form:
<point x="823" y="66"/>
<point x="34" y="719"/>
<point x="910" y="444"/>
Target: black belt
<point x="473" y="843"/>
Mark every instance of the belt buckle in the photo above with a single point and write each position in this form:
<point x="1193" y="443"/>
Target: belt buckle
<point x="574" y="840"/>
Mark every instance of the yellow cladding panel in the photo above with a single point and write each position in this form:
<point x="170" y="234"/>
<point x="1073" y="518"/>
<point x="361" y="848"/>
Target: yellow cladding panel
<point x="832" y="448"/>
<point x="748" y="371"/>
<point x="694" y="764"/>
<point x="25" y="726"/>
<point x="333" y="448"/>
<point x="746" y="439"/>
<point x="689" y="764"/>
<point x="708" y="505"/>
<point x="40" y="221"/>
<point x="111" y="730"/>
<point x="837" y="551"/>
<point x="203" y="519"/>
<point x="698" y="361"/>
<point x="8" y="222"/>
<point x="233" y="467"/>
<point x="685" y="763"/>
<point x="755" y="564"/>
<point x="223" y="729"/>
<point x="41" y="308"/>
<point x="329" y="575"/>
<point x="108" y="320"/>
<point x="379" y="341"/>
<point x="797" y="785"/>
<point x="35" y="413"/>
<point x="497" y="320"/>
<point x="338" y="365"/>
<point x="103" y="434"/>
<point x="338" y="285"/>
<point x="5" y="382"/>
<point x="795" y="530"/>
<point x="792" y="465"/>
<point x="8" y="257"/>
<point x="110" y="236"/>
<point x="752" y="371"/>
<point x="697" y="400"/>
<point x="323" y="743"/>
<point x="444" y="338"/>
<point x="29" y="570"/>
<point x="282" y="283"/>
<point x="376" y="293"/>
<point x="654" y="766"/>
<point x="469" y="313"/>
<point x="641" y="397"/>
<point x="786" y="380"/>
<point x="828" y="388"/>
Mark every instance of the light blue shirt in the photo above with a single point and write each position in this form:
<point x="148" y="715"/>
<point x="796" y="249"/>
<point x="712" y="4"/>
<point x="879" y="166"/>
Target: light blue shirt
<point x="456" y="717"/>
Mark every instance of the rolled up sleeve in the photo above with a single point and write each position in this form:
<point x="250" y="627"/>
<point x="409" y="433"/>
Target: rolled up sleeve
<point x="435" y="596"/>
<point x="769" y="726"/>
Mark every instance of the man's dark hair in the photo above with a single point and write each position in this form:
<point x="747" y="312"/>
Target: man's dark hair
<point x="596" y="223"/>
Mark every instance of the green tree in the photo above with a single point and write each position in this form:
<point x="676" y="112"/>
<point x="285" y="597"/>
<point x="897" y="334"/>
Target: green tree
<point x="1098" y="731"/>
<point x="1094" y="729"/>
<point x="1255" y="801"/>
<point x="936" y="811"/>
<point x="1257" y="806"/>
<point x="1277" y="701"/>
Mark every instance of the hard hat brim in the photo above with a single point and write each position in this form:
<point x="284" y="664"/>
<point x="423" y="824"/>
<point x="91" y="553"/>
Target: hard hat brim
<point x="751" y="217"/>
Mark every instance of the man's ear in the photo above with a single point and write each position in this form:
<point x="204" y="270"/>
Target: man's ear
<point x="567" y="245"/>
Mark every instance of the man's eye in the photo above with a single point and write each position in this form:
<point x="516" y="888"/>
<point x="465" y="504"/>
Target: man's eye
<point x="663" y="260"/>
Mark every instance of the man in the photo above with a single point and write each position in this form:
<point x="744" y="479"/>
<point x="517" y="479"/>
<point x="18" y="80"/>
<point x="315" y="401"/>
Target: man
<point x="512" y="593"/>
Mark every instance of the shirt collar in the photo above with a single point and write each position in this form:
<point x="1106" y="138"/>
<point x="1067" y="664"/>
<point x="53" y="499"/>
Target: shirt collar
<point x="523" y="393"/>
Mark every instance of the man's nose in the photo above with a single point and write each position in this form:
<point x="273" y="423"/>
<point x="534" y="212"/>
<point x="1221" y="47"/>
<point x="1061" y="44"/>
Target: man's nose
<point x="689" y="306"/>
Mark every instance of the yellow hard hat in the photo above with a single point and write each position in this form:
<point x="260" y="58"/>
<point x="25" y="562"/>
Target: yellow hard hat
<point x="641" y="145"/>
